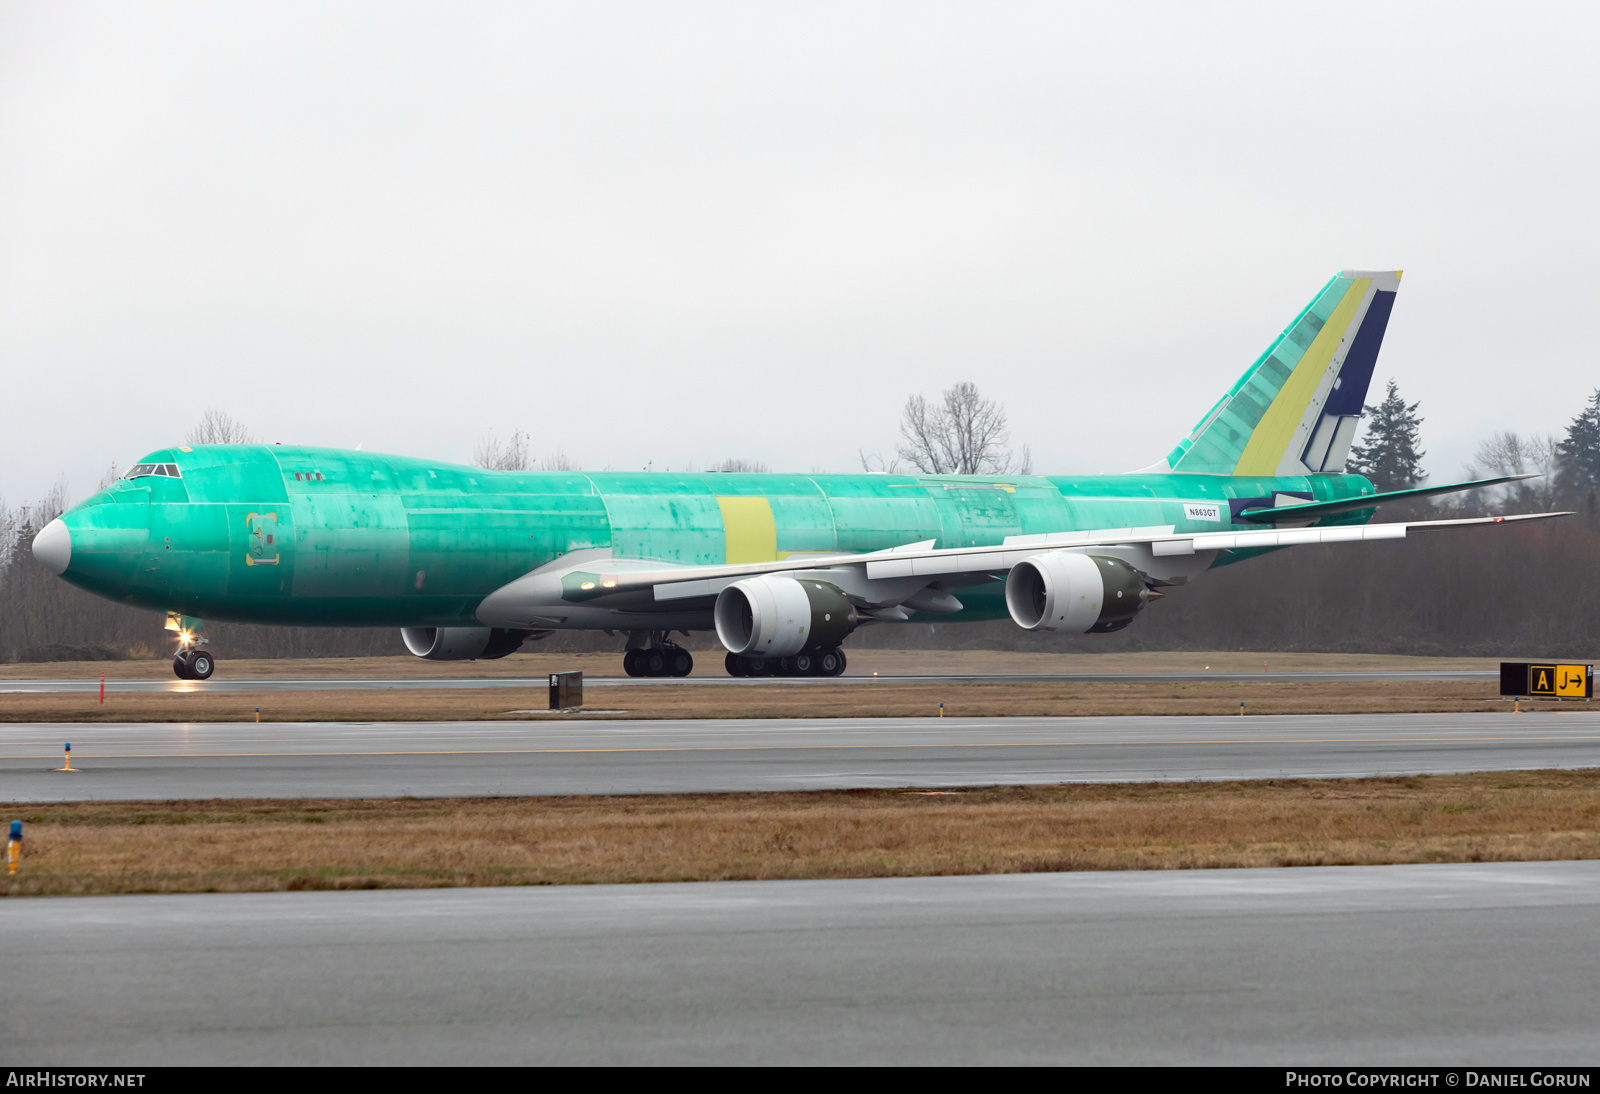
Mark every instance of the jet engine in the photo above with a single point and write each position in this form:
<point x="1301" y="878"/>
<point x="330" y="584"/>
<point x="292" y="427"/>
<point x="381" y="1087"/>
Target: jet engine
<point x="462" y="643"/>
<point x="1070" y="591"/>
<point x="772" y="616"/>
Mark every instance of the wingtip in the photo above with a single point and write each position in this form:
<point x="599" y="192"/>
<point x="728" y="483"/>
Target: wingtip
<point x="1513" y="518"/>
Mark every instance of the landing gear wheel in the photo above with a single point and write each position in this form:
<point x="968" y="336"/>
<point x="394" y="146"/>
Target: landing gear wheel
<point x="652" y="662"/>
<point x="831" y="662"/>
<point x="630" y="663"/>
<point x="785" y="666"/>
<point x="734" y="664"/>
<point x="805" y="664"/>
<point x="753" y="666"/>
<point x="679" y="662"/>
<point x="192" y="664"/>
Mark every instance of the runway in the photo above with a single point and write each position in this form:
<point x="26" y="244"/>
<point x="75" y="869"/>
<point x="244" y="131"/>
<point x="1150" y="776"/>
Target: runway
<point x="224" y="683"/>
<point x="447" y="759"/>
<point x="1482" y="964"/>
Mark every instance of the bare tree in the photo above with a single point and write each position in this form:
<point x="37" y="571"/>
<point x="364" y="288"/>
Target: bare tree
<point x="923" y="445"/>
<point x="19" y="526"/>
<point x="492" y="455"/>
<point x="8" y="536"/>
<point x="873" y="463"/>
<point x="964" y="434"/>
<point x="1504" y="453"/>
<point x="1509" y="453"/>
<point x="216" y="427"/>
<point x="559" y="461"/>
<point x="739" y="463"/>
<point x="45" y="510"/>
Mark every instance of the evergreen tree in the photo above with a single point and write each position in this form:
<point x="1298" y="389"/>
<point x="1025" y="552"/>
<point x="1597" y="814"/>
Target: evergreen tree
<point x="1390" y="456"/>
<point x="1580" y="453"/>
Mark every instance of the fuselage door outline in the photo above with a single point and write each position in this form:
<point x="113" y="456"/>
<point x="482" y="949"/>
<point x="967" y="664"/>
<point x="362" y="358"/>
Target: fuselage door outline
<point x="262" y="539"/>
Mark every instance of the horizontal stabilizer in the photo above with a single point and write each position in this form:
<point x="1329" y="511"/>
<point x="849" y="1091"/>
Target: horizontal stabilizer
<point x="1317" y="509"/>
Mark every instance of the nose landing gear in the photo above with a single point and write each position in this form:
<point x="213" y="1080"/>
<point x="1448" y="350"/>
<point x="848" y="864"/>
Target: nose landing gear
<point x="190" y="662"/>
<point x="193" y="664"/>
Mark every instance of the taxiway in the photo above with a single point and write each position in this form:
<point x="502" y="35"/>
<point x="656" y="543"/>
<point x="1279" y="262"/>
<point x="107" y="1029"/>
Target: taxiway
<point x="1487" y="964"/>
<point x="572" y="756"/>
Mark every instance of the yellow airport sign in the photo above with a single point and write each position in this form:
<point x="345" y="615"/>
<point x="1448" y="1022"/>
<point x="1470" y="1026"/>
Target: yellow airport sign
<point x="1548" y="680"/>
<point x="1541" y="679"/>
<point x="1572" y="681"/>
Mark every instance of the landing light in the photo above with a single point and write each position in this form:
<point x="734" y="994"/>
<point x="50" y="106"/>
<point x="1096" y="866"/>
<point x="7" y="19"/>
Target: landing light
<point x="586" y="585"/>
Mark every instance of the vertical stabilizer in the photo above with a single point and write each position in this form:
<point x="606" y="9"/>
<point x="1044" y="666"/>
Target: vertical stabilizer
<point x="1294" y="411"/>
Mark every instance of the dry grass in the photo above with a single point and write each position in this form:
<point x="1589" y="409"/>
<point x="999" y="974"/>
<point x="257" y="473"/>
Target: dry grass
<point x="709" y="663"/>
<point x="230" y="846"/>
<point x="776" y="700"/>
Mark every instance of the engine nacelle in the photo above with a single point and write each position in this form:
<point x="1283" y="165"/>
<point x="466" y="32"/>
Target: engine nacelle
<point x="462" y="643"/>
<point x="1070" y="591"/>
<point x="773" y="616"/>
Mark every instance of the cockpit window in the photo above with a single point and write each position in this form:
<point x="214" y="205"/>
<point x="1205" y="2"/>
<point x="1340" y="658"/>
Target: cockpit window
<point x="140" y="470"/>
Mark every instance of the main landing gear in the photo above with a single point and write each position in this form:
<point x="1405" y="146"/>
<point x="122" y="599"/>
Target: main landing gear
<point x="193" y="663"/>
<point x="660" y="658"/>
<point x="829" y="662"/>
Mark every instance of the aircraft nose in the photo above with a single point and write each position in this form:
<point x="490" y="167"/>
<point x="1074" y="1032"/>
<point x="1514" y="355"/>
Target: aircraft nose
<point x="53" y="547"/>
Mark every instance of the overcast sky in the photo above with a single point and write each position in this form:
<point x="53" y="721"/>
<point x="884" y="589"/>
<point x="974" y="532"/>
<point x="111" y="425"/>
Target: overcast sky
<point x="680" y="232"/>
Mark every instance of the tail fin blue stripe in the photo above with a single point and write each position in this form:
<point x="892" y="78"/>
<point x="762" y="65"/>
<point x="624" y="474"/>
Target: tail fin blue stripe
<point x="1350" y="391"/>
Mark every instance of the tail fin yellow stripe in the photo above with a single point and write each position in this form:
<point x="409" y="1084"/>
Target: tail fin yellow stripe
<point x="1277" y="432"/>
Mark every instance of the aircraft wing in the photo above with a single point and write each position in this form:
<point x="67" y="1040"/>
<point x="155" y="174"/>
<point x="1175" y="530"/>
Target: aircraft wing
<point x="607" y="578"/>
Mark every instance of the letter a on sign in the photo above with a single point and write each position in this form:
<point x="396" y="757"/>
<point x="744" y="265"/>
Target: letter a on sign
<point x="1541" y="679"/>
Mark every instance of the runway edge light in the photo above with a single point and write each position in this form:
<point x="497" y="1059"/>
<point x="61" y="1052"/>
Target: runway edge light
<point x="14" y="848"/>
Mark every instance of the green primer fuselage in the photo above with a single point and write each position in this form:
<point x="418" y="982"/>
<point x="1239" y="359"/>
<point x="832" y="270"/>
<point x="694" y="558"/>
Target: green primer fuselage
<point x="318" y="536"/>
